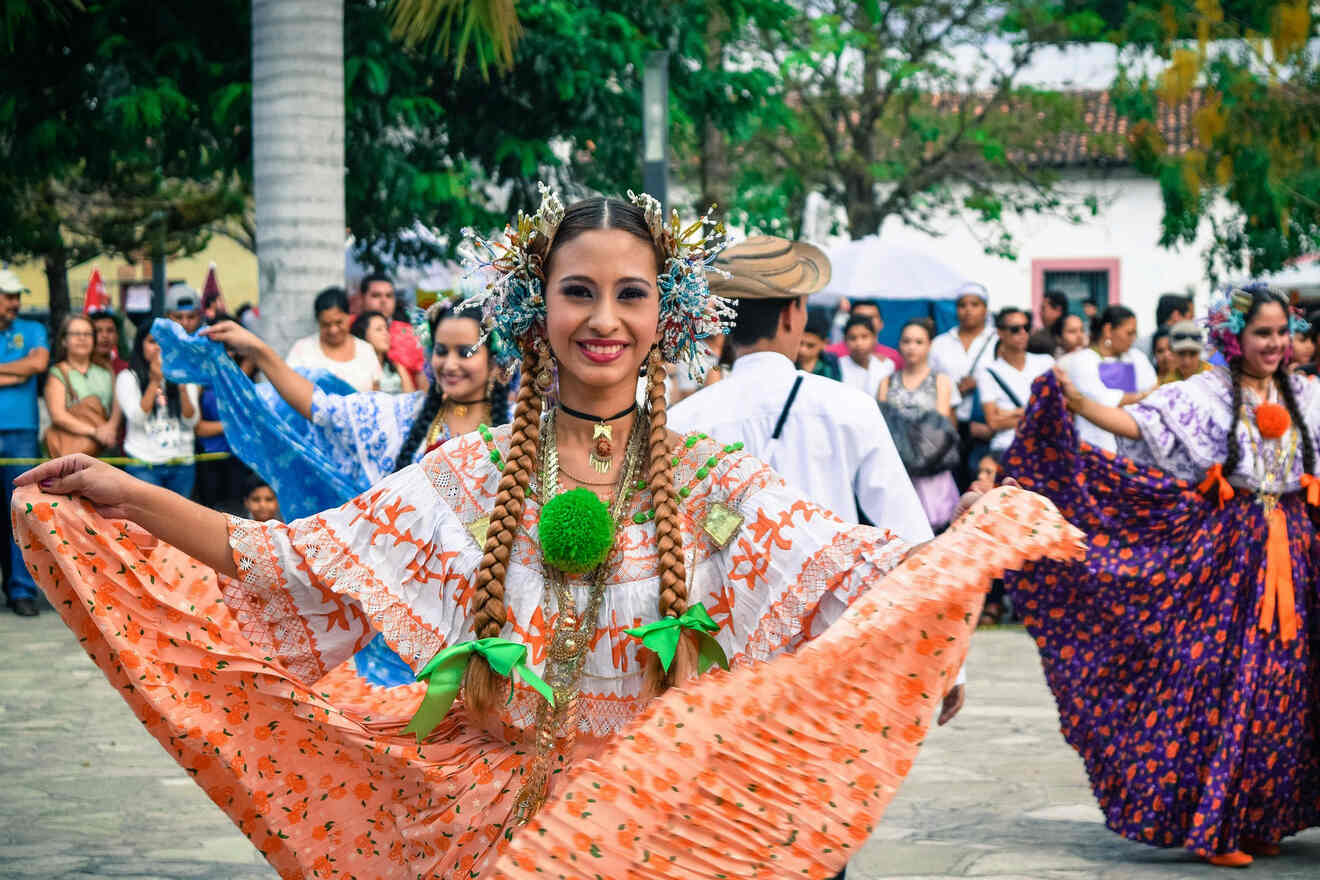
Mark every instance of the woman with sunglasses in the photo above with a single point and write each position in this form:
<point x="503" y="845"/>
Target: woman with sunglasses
<point x="1111" y="372"/>
<point x="1005" y="383"/>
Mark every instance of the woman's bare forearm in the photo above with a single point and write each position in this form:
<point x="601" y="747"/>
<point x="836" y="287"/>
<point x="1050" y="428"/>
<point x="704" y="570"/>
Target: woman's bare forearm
<point x="291" y="385"/>
<point x="200" y="532"/>
<point x="1113" y="419"/>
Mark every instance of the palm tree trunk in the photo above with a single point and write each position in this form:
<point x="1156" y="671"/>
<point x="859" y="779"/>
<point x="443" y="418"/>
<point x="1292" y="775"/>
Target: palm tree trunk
<point x="298" y="159"/>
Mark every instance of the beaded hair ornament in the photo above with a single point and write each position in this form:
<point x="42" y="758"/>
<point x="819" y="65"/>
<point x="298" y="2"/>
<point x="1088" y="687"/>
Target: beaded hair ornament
<point x="513" y="303"/>
<point x="1228" y="317"/>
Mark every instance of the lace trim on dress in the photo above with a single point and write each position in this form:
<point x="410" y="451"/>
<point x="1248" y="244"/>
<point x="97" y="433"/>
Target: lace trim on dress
<point x="788" y="622"/>
<point x="260" y="601"/>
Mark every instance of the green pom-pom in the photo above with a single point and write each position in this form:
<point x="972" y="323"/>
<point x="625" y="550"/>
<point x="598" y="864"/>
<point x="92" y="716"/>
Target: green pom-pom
<point x="576" y="531"/>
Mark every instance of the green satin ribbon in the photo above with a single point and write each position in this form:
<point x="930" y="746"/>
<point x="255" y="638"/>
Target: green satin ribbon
<point x="444" y="676"/>
<point x="663" y="635"/>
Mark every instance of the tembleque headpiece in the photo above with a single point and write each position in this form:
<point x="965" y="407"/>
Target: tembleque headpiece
<point x="513" y="265"/>
<point x="1228" y="316"/>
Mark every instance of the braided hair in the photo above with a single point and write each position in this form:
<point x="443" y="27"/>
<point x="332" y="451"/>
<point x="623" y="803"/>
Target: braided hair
<point x="1261" y="296"/>
<point x="435" y="397"/>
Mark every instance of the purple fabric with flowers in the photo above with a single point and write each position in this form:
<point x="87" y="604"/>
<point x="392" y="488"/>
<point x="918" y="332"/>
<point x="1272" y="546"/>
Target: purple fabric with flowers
<point x="1198" y="728"/>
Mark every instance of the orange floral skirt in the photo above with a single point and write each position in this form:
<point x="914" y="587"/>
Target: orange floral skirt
<point x="778" y="769"/>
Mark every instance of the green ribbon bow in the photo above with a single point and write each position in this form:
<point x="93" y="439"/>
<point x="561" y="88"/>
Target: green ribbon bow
<point x="663" y="635"/>
<point x="444" y="676"/>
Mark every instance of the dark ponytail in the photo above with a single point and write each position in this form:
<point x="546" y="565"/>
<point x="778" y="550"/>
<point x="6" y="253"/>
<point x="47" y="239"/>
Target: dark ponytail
<point x="1234" y="456"/>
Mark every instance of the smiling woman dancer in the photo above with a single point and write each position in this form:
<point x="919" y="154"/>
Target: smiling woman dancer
<point x="1182" y="652"/>
<point x="547" y="579"/>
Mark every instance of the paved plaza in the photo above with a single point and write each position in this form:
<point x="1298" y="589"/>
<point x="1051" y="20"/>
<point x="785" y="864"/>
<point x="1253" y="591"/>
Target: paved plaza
<point x="88" y="793"/>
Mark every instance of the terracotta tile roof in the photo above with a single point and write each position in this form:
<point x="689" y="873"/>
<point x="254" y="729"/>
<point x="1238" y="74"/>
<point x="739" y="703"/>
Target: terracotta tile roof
<point x="1104" y="140"/>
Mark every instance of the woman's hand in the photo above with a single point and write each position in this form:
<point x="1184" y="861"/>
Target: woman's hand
<point x="111" y="491"/>
<point x="952" y="704"/>
<point x="106" y="434"/>
<point x="236" y="337"/>
<point x="1074" y="398"/>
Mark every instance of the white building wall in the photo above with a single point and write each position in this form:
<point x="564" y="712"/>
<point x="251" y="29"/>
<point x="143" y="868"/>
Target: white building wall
<point x="1126" y="230"/>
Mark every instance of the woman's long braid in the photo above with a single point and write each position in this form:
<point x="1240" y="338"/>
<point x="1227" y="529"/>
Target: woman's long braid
<point x="1234" y="447"/>
<point x="668" y="532"/>
<point x="434" y="400"/>
<point x="1284" y="381"/>
<point x="481" y="686"/>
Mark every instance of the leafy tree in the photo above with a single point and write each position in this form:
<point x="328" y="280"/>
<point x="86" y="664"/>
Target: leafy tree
<point x="1251" y="175"/>
<point x="913" y="109"/>
<point x="106" y="108"/>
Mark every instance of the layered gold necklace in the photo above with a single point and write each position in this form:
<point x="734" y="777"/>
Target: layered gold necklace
<point x="573" y="631"/>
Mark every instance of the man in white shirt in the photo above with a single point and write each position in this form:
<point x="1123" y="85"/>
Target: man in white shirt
<point x="823" y="437"/>
<point x="1005" y="382"/>
<point x="960" y="352"/>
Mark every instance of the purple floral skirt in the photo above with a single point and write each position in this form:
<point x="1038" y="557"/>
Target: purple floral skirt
<point x="1198" y="728"/>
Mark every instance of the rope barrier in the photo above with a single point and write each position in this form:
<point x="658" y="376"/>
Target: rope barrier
<point x="124" y="460"/>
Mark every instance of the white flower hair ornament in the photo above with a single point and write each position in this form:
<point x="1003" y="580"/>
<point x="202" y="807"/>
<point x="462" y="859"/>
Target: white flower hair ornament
<point x="513" y="266"/>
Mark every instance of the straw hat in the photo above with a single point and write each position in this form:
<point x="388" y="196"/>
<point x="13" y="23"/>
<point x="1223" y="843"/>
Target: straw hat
<point x="767" y="267"/>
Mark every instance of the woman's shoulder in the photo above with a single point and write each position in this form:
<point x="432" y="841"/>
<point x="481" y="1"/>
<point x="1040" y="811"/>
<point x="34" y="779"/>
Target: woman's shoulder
<point x="706" y="470"/>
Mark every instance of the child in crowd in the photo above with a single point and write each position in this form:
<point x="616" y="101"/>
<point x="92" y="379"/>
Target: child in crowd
<point x="259" y="500"/>
<point x="987" y="473"/>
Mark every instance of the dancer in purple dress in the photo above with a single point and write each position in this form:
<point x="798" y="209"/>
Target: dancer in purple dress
<point x="1183" y="651"/>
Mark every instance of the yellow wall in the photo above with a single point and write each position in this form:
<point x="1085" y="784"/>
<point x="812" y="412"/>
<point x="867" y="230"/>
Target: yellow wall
<point x="235" y="267"/>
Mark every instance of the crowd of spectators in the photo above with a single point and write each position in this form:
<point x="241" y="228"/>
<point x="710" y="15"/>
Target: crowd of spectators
<point x="98" y="387"/>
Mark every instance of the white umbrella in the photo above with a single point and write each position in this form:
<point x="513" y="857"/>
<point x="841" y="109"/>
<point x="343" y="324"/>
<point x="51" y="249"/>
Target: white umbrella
<point x="1302" y="275"/>
<point x="870" y="268"/>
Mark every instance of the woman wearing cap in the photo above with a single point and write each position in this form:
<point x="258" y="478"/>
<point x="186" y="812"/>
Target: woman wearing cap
<point x="548" y="579"/>
<point x="1186" y="348"/>
<point x="1182" y="651"/>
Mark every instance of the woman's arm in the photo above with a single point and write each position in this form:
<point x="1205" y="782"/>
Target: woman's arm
<point x="882" y="393"/>
<point x="405" y="379"/>
<point x="1001" y="419"/>
<point x="944" y="397"/>
<point x="1109" y="418"/>
<point x="201" y="533"/>
<point x="296" y="390"/>
<point x="189" y="411"/>
<point x="60" y="416"/>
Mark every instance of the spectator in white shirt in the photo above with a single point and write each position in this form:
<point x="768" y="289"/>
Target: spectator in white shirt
<point x="960" y="353"/>
<point x="1005" y="383"/>
<point x="1111" y="371"/>
<point x="863" y="369"/>
<point x="333" y="348"/>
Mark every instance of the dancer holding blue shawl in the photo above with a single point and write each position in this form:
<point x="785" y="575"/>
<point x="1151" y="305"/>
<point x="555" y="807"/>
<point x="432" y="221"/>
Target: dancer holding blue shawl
<point x="319" y="443"/>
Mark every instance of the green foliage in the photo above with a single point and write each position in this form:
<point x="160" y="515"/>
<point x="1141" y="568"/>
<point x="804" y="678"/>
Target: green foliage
<point x="886" y="122"/>
<point x="112" y="138"/>
<point x="1250" y="178"/>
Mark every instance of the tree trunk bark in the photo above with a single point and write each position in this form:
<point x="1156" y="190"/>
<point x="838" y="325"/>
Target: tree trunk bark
<point x="863" y="218"/>
<point x="57" y="283"/>
<point x="298" y="159"/>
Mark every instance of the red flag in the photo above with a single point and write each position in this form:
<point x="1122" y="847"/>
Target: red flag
<point x="213" y="301"/>
<point x="94" y="298"/>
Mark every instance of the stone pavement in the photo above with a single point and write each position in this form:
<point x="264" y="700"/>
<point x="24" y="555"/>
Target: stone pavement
<point x="87" y="793"/>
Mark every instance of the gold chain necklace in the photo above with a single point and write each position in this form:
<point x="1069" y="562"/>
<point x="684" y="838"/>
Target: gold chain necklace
<point x="572" y="632"/>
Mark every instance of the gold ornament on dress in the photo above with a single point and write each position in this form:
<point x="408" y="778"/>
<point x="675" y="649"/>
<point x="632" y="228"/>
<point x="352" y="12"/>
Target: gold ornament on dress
<point x="572" y="631"/>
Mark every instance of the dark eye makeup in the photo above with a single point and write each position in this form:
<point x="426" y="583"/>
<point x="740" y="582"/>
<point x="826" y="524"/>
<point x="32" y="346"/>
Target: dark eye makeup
<point x="463" y="351"/>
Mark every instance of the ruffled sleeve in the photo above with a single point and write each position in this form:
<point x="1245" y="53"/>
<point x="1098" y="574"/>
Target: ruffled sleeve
<point x="790" y="569"/>
<point x="395" y="559"/>
<point x="1183" y="425"/>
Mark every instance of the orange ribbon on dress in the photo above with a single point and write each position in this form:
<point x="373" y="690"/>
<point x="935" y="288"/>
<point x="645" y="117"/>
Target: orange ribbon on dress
<point x="1312" y="486"/>
<point x="1279" y="579"/>
<point x="1216" y="476"/>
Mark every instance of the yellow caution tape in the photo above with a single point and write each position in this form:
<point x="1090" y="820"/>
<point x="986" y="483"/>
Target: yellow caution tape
<point x="122" y="460"/>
